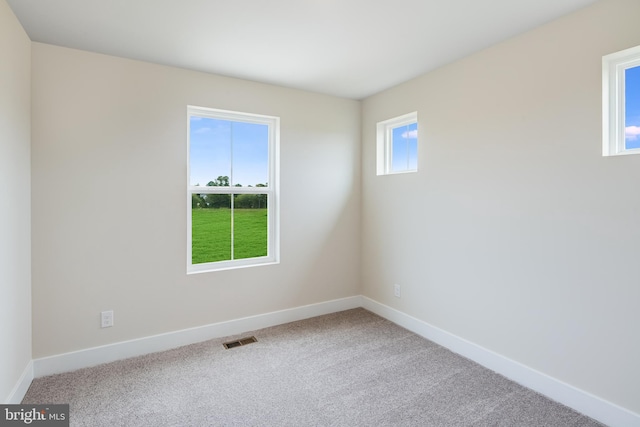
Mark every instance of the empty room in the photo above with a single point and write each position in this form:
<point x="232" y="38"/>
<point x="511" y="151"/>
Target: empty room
<point x="313" y="212"/>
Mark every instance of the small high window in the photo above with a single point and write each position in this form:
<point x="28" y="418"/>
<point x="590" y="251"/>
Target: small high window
<point x="621" y="102"/>
<point x="397" y="145"/>
<point x="232" y="189"/>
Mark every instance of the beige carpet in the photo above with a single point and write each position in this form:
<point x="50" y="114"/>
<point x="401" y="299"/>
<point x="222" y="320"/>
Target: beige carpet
<point x="345" y="369"/>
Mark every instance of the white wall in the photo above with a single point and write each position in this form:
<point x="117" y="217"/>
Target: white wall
<point x="516" y="234"/>
<point x="15" y="201"/>
<point x="109" y="214"/>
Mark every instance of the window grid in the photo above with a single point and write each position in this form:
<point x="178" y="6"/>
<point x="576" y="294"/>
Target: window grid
<point x="389" y="145"/>
<point x="268" y="189"/>
<point x="616" y="100"/>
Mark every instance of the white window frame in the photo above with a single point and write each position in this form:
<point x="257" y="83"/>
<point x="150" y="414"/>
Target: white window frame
<point x="613" y="100"/>
<point x="272" y="191"/>
<point x="384" y="141"/>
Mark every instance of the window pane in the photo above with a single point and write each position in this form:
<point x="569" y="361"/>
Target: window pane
<point x="210" y="228"/>
<point x="632" y="107"/>
<point x="250" y="225"/>
<point x="210" y="151"/>
<point x="229" y="159"/>
<point x="250" y="154"/>
<point x="404" y="148"/>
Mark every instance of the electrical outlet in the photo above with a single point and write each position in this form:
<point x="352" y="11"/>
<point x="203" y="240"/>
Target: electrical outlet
<point x="396" y="290"/>
<point x="106" y="318"/>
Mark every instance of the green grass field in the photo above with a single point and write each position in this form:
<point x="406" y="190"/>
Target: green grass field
<point x="211" y="234"/>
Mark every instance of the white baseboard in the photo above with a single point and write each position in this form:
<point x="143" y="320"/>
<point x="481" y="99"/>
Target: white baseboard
<point x="583" y="402"/>
<point x="109" y="353"/>
<point x="20" y="389"/>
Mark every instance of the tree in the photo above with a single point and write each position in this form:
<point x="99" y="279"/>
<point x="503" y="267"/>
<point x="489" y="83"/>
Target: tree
<point x="250" y="201"/>
<point x="217" y="201"/>
<point x="197" y="201"/>
<point x="221" y="181"/>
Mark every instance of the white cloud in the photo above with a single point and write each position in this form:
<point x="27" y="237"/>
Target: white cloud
<point x="632" y="132"/>
<point x="202" y="130"/>
<point x="410" y="134"/>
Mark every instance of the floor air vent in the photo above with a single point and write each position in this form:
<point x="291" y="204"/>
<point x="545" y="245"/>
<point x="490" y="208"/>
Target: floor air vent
<point x="238" y="343"/>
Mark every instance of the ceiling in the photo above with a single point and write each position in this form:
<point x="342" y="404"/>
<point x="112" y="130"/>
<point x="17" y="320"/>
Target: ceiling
<point x="347" y="48"/>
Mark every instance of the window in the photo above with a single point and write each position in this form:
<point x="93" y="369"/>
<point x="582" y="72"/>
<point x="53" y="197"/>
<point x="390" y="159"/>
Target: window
<point x="621" y="102"/>
<point x="397" y="141"/>
<point x="232" y="190"/>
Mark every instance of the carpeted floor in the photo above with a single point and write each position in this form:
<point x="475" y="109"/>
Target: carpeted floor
<point x="345" y="369"/>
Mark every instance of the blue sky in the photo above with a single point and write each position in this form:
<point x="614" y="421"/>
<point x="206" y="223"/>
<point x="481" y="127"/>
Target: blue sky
<point x="404" y="154"/>
<point x="213" y="144"/>
<point x="632" y="107"/>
